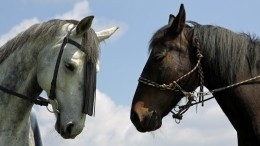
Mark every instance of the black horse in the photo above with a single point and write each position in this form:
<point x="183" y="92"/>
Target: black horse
<point x="183" y="57"/>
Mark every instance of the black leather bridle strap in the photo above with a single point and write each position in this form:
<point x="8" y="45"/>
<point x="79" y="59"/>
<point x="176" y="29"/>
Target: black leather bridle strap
<point x="39" y="100"/>
<point x="76" y="44"/>
<point x="56" y="69"/>
<point x="66" y="40"/>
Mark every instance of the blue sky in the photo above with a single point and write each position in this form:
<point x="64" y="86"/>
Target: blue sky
<point x="122" y="59"/>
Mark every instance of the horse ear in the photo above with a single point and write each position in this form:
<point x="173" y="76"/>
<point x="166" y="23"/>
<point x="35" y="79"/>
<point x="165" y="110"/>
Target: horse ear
<point x="84" y="25"/>
<point x="171" y="19"/>
<point x="105" y="34"/>
<point x="179" y="22"/>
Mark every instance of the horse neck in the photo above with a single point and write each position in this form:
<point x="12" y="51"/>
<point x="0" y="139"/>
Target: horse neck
<point x="238" y="103"/>
<point x="224" y="53"/>
<point x="18" y="73"/>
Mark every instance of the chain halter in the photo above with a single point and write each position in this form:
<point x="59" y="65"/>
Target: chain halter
<point x="177" y="114"/>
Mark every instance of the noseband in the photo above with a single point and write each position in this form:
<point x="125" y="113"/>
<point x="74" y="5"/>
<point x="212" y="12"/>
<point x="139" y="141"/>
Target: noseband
<point x="175" y="87"/>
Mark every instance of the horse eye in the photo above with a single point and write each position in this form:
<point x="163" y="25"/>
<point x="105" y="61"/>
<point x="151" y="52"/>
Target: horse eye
<point x="159" y="56"/>
<point x="69" y="66"/>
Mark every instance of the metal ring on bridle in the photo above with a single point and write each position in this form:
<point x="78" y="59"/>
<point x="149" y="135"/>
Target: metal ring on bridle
<point x="55" y="108"/>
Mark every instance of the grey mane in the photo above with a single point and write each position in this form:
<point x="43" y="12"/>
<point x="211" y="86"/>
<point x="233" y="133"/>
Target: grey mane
<point x="226" y="51"/>
<point x="45" y="32"/>
<point x="90" y="43"/>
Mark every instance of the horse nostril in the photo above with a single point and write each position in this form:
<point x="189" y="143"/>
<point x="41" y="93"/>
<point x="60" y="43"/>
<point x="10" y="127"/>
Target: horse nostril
<point x="69" y="128"/>
<point x="133" y="116"/>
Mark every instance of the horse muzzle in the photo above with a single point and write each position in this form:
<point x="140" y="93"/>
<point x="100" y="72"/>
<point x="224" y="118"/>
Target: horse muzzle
<point x="68" y="130"/>
<point x="145" y="120"/>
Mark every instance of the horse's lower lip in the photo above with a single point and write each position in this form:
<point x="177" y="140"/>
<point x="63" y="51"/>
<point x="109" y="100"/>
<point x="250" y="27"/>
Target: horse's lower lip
<point x="67" y="136"/>
<point x="62" y="133"/>
<point x="149" y="128"/>
<point x="149" y="124"/>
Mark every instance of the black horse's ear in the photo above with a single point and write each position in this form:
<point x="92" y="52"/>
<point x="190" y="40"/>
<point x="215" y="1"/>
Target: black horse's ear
<point x="84" y="25"/>
<point x="171" y="19"/>
<point x="179" y="22"/>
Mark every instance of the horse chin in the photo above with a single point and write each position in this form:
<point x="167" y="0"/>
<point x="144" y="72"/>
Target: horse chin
<point x="59" y="129"/>
<point x="66" y="133"/>
<point x="149" y="128"/>
<point x="149" y="123"/>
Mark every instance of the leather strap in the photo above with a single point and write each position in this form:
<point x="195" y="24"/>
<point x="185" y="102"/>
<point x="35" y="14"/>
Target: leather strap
<point x="66" y="40"/>
<point x="39" y="100"/>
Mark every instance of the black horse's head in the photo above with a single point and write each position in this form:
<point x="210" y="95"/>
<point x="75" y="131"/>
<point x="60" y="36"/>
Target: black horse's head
<point x="172" y="55"/>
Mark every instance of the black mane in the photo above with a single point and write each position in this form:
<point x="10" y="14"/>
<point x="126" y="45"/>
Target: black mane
<point x="225" y="51"/>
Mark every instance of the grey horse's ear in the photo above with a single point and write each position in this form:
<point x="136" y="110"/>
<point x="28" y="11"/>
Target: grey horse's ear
<point x="106" y="33"/>
<point x="84" y="25"/>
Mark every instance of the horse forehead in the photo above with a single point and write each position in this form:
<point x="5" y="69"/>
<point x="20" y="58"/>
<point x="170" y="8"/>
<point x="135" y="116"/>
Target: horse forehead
<point x="77" y="58"/>
<point x="78" y="55"/>
<point x="67" y="27"/>
<point x="179" y="41"/>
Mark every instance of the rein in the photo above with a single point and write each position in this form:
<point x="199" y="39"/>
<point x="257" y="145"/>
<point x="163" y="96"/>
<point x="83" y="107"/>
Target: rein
<point x="177" y="114"/>
<point x="40" y="100"/>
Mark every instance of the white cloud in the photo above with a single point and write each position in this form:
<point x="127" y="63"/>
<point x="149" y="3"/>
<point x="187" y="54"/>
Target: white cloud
<point x="82" y="9"/>
<point x="17" y="29"/>
<point x="104" y="23"/>
<point x="112" y="126"/>
<point x="44" y="1"/>
<point x="79" y="11"/>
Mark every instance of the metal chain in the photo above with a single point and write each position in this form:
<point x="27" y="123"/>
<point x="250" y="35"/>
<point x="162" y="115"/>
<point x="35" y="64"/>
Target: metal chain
<point x="201" y="77"/>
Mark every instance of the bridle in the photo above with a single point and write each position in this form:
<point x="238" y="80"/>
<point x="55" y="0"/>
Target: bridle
<point x="40" y="100"/>
<point x="174" y="86"/>
<point x="66" y="40"/>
